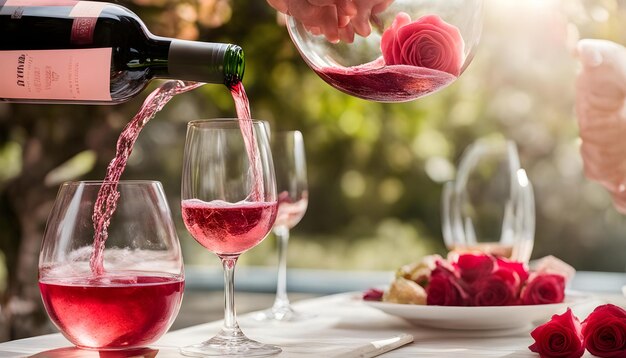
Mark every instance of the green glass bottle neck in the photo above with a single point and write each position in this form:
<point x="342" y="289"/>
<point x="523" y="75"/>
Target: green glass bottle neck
<point x="198" y="61"/>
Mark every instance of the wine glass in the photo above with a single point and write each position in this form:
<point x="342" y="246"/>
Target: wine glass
<point x="134" y="299"/>
<point x="229" y="205"/>
<point x="414" y="48"/>
<point x="490" y="206"/>
<point x="291" y="183"/>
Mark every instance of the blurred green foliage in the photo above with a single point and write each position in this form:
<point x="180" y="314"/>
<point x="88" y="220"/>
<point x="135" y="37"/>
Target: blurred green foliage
<point x="375" y="170"/>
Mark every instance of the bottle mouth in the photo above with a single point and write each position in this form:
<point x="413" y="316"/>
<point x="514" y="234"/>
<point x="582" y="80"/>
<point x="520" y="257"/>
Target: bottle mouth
<point x="234" y="65"/>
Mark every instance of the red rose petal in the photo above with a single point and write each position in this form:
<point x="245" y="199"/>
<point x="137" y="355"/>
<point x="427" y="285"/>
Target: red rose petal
<point x="559" y="337"/>
<point x="473" y="267"/>
<point x="604" y="331"/>
<point x="543" y="289"/>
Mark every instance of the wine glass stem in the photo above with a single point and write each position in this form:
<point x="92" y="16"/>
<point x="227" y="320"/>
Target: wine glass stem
<point x="282" y="234"/>
<point x="230" y="316"/>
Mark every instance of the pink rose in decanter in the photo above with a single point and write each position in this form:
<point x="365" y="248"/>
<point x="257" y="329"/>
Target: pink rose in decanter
<point x="427" y="42"/>
<point x="600" y="100"/>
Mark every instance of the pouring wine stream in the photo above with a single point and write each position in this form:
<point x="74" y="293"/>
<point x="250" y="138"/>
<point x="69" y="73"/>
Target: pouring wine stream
<point x="108" y="195"/>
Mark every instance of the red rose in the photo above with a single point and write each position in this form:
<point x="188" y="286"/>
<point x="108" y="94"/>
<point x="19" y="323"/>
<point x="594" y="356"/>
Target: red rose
<point x="604" y="331"/>
<point x="543" y="289"/>
<point x="427" y="42"/>
<point x="519" y="267"/>
<point x="445" y="288"/>
<point x="473" y="267"/>
<point x="499" y="289"/>
<point x="559" y="337"/>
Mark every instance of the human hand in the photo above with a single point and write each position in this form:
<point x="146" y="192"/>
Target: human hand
<point x="601" y="112"/>
<point x="337" y="20"/>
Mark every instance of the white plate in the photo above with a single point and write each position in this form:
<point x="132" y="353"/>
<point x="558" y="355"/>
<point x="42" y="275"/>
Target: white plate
<point x="477" y="318"/>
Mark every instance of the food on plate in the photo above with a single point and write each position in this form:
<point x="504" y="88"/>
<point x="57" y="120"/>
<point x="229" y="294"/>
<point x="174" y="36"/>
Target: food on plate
<point x="477" y="279"/>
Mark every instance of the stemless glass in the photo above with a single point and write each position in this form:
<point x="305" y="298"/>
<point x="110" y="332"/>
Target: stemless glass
<point x="135" y="299"/>
<point x="490" y="205"/>
<point x="291" y="182"/>
<point x="414" y="48"/>
<point x="229" y="205"/>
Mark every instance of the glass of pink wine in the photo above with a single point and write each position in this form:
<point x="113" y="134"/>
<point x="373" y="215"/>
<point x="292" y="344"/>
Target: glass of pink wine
<point x="291" y="183"/>
<point x="133" y="297"/>
<point x="229" y="205"/>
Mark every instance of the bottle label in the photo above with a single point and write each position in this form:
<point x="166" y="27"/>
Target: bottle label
<point x="18" y="3"/>
<point x="79" y="8"/>
<point x="84" y="13"/>
<point x="87" y="9"/>
<point x="73" y="74"/>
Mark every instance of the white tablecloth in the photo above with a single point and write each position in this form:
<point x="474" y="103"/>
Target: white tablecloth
<point x="343" y="327"/>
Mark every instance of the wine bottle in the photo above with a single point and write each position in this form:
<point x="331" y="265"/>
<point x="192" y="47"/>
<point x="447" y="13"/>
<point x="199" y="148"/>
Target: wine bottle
<point x="66" y="51"/>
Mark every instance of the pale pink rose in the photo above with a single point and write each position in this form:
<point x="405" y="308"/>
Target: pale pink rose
<point x="427" y="42"/>
<point x="551" y="264"/>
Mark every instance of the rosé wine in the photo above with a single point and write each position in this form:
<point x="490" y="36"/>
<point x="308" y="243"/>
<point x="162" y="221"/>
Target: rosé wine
<point x="386" y="83"/>
<point x="228" y="229"/>
<point x="242" y="107"/>
<point x="108" y="195"/>
<point x="106" y="201"/>
<point x="112" y="311"/>
<point x="290" y="213"/>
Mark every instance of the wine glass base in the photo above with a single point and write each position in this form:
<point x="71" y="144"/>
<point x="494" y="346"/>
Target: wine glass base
<point x="219" y="347"/>
<point x="287" y="314"/>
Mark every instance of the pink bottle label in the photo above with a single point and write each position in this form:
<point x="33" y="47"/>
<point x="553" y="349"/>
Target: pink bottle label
<point x="76" y="74"/>
<point x="87" y="9"/>
<point x="39" y="2"/>
<point x="85" y="14"/>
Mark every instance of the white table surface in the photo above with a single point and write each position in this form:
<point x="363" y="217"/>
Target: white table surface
<point x="343" y="325"/>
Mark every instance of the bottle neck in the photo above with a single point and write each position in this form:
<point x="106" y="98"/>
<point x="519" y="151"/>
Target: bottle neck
<point x="196" y="61"/>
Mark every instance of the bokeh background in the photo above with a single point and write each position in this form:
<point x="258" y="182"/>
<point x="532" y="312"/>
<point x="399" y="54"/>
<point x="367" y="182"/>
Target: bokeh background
<point x="375" y="170"/>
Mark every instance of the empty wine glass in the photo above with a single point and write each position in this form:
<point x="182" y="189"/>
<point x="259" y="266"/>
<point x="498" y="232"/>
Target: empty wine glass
<point x="291" y="183"/>
<point x="415" y="48"/>
<point x="490" y="206"/>
<point x="135" y="298"/>
<point x="229" y="205"/>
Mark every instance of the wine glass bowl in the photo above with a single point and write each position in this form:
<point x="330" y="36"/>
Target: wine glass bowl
<point x="414" y="48"/>
<point x="291" y="182"/>
<point x="489" y="207"/>
<point x="229" y="205"/>
<point x="135" y="299"/>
